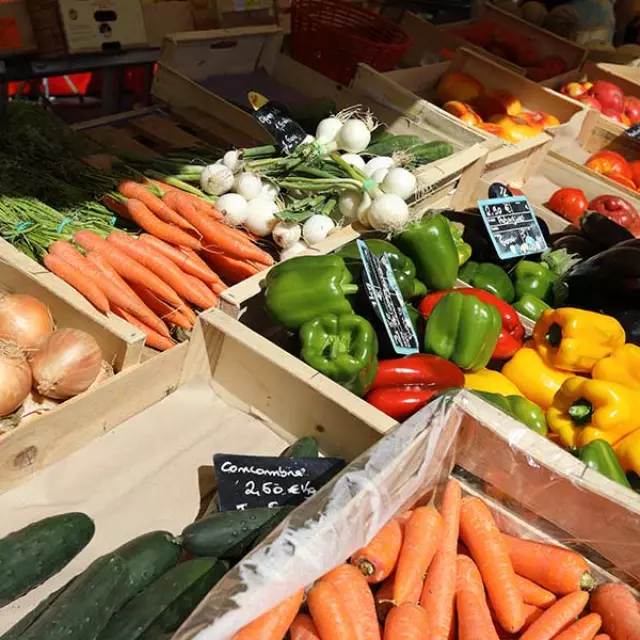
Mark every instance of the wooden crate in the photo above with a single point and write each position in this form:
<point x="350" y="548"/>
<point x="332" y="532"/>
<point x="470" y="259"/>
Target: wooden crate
<point x="410" y="91"/>
<point x="430" y="40"/>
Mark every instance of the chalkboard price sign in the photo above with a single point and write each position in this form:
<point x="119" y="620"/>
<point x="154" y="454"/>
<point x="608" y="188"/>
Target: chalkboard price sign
<point x="288" y="134"/>
<point x="250" y="482"/>
<point x="634" y="131"/>
<point x="513" y="226"/>
<point x="388" y="304"/>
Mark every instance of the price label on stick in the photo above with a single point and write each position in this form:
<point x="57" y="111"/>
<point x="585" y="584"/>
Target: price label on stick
<point x="634" y="131"/>
<point x="512" y="226"/>
<point x="249" y="482"/>
<point x="388" y="304"/>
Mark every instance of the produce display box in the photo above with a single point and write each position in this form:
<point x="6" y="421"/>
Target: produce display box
<point x="410" y="90"/>
<point x="35" y="444"/>
<point x="212" y="72"/>
<point x="430" y="41"/>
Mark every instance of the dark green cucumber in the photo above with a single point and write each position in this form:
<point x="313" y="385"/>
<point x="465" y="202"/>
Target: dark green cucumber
<point x="431" y="151"/>
<point x="390" y="144"/>
<point x="32" y="555"/>
<point x="164" y="605"/>
<point x="306" y="447"/>
<point x="83" y="610"/>
<point x="230" y="534"/>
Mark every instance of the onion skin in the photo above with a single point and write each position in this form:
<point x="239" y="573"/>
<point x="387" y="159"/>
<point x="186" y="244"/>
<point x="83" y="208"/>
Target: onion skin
<point x="67" y="364"/>
<point x="24" y="321"/>
<point x="15" y="378"/>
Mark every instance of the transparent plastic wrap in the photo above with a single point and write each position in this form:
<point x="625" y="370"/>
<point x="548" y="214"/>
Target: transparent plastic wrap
<point x="512" y="468"/>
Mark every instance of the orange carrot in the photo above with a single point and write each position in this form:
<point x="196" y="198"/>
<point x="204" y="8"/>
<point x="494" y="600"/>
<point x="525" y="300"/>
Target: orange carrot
<point x="206" y="294"/>
<point x="378" y="559"/>
<point x="198" y="203"/>
<point x="407" y="622"/>
<point x="302" y="628"/>
<point x="162" y="309"/>
<point x="328" y="613"/>
<point x="533" y="594"/>
<point x="274" y="624"/>
<point x="384" y="599"/>
<point x="421" y="538"/>
<point x="439" y="589"/>
<point x="531" y="614"/>
<point x="148" y="221"/>
<point x="117" y="206"/>
<point x="619" y="611"/>
<point x="130" y="269"/>
<point x="584" y="629"/>
<point x="130" y="189"/>
<point x="403" y="517"/>
<point x="357" y="600"/>
<point x="468" y="577"/>
<point x="154" y="339"/>
<point x="131" y="302"/>
<point x="216" y="234"/>
<point x="602" y="636"/>
<point x="554" y="568"/>
<point x="231" y="269"/>
<point x="557" y="617"/>
<point x="474" y="617"/>
<point x="480" y="534"/>
<point x="69" y="267"/>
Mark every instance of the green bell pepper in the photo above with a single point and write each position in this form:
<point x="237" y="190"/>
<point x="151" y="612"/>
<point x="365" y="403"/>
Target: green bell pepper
<point x="490" y="277"/>
<point x="463" y="329"/>
<point x="518" y="407"/>
<point x="599" y="455"/>
<point x="343" y="348"/>
<point x="429" y="243"/>
<point x="534" y="278"/>
<point x="463" y="248"/>
<point x="403" y="268"/>
<point x="530" y="306"/>
<point x="306" y="287"/>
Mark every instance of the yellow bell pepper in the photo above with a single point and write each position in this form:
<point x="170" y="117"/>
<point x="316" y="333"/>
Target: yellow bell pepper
<point x="536" y="380"/>
<point x="575" y="339"/>
<point x="491" y="381"/>
<point x="628" y="452"/>
<point x="585" y="410"/>
<point x="622" y="366"/>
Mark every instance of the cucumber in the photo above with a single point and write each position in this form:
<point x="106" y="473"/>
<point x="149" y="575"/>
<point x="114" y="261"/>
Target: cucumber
<point x="389" y="145"/>
<point x="164" y="605"/>
<point x="431" y="151"/>
<point x="83" y="610"/>
<point x="230" y="534"/>
<point x="32" y="555"/>
<point x="306" y="447"/>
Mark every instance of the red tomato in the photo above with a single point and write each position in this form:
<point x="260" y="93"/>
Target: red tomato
<point x="635" y="170"/>
<point x="606" y="162"/>
<point x="569" y="203"/>
<point x="622" y="179"/>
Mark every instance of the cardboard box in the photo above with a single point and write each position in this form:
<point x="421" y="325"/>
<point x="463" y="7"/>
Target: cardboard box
<point x="16" y="34"/>
<point x="163" y="18"/>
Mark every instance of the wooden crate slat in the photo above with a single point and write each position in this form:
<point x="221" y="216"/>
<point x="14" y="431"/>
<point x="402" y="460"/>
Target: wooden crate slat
<point x="164" y="132"/>
<point x="116" y="138"/>
<point x="212" y="130"/>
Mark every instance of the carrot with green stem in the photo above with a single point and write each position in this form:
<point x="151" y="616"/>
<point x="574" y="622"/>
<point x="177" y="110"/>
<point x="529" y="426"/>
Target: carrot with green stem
<point x="407" y="622"/>
<point x="154" y="339"/>
<point x="328" y="613"/>
<point x="534" y="594"/>
<point x="303" y="628"/>
<point x="557" y="617"/>
<point x="274" y="624"/>
<point x="438" y="593"/>
<point x="482" y="537"/>
<point x="584" y="629"/>
<point x="163" y="310"/>
<point x="618" y="609"/>
<point x="378" y="559"/>
<point x="421" y="539"/>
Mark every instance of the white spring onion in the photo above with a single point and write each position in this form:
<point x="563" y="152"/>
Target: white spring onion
<point x="328" y="129"/>
<point x="269" y="191"/>
<point x="388" y="212"/>
<point x="317" y="228"/>
<point x="216" y="179"/>
<point x="293" y="251"/>
<point x="351" y="203"/>
<point x="231" y="160"/>
<point x="379" y="175"/>
<point x="286" y="234"/>
<point x="400" y="182"/>
<point x="354" y="136"/>
<point x="233" y="207"/>
<point x="261" y="216"/>
<point x="248" y="185"/>
<point x="354" y="160"/>
<point x="379" y="162"/>
<point x="363" y="211"/>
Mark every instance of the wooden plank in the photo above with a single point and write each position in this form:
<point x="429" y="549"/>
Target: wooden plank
<point x="114" y="119"/>
<point x="164" y="132"/>
<point x="113" y="138"/>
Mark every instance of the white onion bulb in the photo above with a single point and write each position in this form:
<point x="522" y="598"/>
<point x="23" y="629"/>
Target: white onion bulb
<point x="286" y="234"/>
<point x="216" y="179"/>
<point x="354" y="160"/>
<point x="233" y="207"/>
<point x="354" y="136"/>
<point x="261" y="216"/>
<point x="231" y="160"/>
<point x="293" y="251"/>
<point x="400" y="182"/>
<point x="379" y="162"/>
<point x="328" y="129"/>
<point x="388" y="212"/>
<point x="248" y="185"/>
<point x="317" y="228"/>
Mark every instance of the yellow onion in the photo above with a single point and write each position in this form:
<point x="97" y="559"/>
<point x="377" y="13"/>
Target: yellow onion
<point x="67" y="364"/>
<point x="15" y="378"/>
<point x="24" y="320"/>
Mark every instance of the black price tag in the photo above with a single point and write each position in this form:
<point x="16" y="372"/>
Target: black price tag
<point x="513" y="227"/>
<point x="249" y="482"/>
<point x="388" y="304"/>
<point x="634" y="131"/>
<point x="286" y="132"/>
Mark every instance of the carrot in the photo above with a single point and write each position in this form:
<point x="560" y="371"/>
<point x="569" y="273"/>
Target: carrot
<point x="357" y="600"/>
<point x="328" y="613"/>
<point x="439" y="589"/>
<point x="215" y="233"/>
<point x="231" y="269"/>
<point x="531" y="614"/>
<point x="403" y="517"/>
<point x="188" y="313"/>
<point x="554" y="568"/>
<point x="274" y="624"/>
<point x="557" y="617"/>
<point x="468" y="577"/>
<point x="198" y="203"/>
<point x="130" y="301"/>
<point x="162" y="309"/>
<point x="378" y="559"/>
<point x="206" y="295"/>
<point x="384" y="599"/>
<point x="584" y="629"/>
<point x="130" y="269"/>
<point x="67" y="263"/>
<point x="407" y="622"/>
<point x="533" y="594"/>
<point x="154" y="339"/>
<point x="619" y="611"/>
<point x="474" y="617"/>
<point x="302" y="628"/>
<point x="480" y="534"/>
<point x="602" y="636"/>
<point x="117" y="206"/>
<point x="130" y="189"/>
<point x="421" y="538"/>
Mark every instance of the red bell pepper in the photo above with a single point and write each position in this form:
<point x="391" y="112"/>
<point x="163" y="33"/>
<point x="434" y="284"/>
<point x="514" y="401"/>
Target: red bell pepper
<point x="404" y="385"/>
<point x="512" y="334"/>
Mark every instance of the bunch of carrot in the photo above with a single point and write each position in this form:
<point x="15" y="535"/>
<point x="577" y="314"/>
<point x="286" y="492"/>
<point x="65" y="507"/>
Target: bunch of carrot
<point x="155" y="280"/>
<point x="441" y="575"/>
